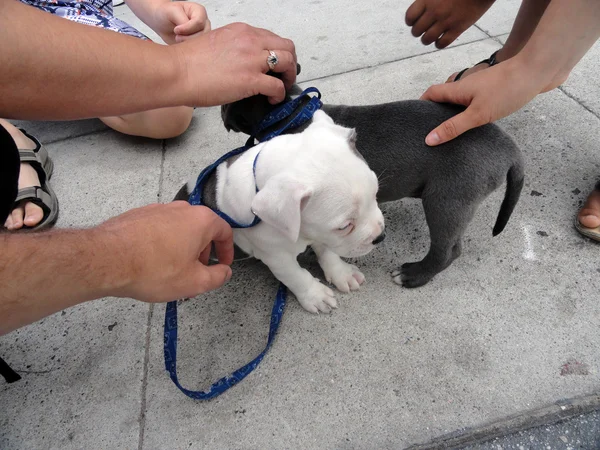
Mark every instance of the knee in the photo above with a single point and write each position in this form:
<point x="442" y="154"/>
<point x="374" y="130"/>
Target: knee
<point x="173" y="124"/>
<point x="156" y="124"/>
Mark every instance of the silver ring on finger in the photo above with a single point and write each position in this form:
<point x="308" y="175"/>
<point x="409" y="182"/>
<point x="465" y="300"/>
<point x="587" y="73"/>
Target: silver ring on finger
<point x="272" y="60"/>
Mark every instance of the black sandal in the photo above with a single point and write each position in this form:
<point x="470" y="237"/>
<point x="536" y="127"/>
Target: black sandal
<point x="43" y="195"/>
<point x="492" y="61"/>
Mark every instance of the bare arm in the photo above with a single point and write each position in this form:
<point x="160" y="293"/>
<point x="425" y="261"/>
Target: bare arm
<point x="45" y="59"/>
<point x="172" y="21"/>
<point x="156" y="253"/>
<point x="565" y="33"/>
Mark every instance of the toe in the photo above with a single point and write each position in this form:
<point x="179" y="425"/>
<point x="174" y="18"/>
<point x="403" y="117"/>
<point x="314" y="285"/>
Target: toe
<point x="353" y="284"/>
<point x="452" y="77"/>
<point x="330" y="303"/>
<point x="588" y="219"/>
<point x="33" y="214"/>
<point x="589" y="216"/>
<point x="359" y="277"/>
<point x="17" y="217"/>
<point x="344" y="287"/>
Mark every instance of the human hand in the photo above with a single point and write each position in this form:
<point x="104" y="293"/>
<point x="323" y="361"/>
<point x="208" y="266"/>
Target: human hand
<point x="230" y="63"/>
<point x="163" y="251"/>
<point x="489" y="95"/>
<point x="177" y="21"/>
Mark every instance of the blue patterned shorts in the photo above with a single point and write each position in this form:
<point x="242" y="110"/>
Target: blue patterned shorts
<point x="98" y="13"/>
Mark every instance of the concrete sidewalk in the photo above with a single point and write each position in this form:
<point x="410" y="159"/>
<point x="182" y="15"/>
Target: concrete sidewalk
<point x="486" y="339"/>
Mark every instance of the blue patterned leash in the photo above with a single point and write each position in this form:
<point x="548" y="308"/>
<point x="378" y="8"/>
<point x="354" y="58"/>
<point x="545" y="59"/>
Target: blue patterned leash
<point x="170" y="330"/>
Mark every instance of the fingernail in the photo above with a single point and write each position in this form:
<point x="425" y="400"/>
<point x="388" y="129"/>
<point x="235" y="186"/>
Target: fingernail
<point x="228" y="276"/>
<point x="432" y="139"/>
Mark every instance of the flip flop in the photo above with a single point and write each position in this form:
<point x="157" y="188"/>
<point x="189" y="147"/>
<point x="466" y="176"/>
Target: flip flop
<point x="43" y="195"/>
<point x="492" y="61"/>
<point x="592" y="233"/>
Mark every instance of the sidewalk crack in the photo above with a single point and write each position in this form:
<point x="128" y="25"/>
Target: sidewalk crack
<point x="142" y="416"/>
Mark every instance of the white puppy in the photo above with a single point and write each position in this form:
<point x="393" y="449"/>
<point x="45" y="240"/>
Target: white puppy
<point x="314" y="189"/>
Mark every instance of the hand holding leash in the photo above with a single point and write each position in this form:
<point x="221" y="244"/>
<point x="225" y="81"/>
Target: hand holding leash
<point x="165" y="250"/>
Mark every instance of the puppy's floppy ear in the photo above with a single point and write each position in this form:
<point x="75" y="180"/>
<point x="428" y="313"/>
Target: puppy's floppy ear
<point x="280" y="203"/>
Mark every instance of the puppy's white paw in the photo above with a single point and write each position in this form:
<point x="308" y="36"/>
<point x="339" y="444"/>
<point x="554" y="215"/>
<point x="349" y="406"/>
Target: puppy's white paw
<point x="318" y="298"/>
<point x="346" y="277"/>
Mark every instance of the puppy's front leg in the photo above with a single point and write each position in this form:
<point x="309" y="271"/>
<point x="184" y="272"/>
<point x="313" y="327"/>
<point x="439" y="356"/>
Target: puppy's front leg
<point x="344" y="276"/>
<point x="314" y="296"/>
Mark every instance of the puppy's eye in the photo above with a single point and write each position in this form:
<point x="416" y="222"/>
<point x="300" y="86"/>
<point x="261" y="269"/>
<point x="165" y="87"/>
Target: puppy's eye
<point x="347" y="228"/>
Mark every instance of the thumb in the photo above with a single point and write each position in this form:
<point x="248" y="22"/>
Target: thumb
<point x="213" y="277"/>
<point x="453" y="127"/>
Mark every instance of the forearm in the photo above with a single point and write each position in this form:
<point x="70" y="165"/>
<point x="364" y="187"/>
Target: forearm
<point x="144" y="9"/>
<point x="43" y="273"/>
<point x="44" y="58"/>
<point x="566" y="31"/>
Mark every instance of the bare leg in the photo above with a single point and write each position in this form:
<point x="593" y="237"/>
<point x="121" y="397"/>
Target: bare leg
<point x="26" y="213"/>
<point x="162" y="123"/>
<point x="530" y="13"/>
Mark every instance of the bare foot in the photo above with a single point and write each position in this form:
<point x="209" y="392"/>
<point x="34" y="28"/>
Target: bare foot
<point x="589" y="216"/>
<point x="26" y="213"/>
<point x="442" y="21"/>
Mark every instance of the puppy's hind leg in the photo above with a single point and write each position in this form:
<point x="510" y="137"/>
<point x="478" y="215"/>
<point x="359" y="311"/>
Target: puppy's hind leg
<point x="447" y="220"/>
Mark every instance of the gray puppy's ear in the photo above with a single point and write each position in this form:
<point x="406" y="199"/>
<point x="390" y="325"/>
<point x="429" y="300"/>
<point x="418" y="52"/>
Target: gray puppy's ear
<point x="280" y="203"/>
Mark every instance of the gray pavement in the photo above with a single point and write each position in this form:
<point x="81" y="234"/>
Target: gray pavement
<point x="580" y="432"/>
<point x="487" y="339"/>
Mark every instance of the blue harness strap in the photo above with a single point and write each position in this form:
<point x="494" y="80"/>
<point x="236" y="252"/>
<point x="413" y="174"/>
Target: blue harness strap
<point x="170" y="330"/>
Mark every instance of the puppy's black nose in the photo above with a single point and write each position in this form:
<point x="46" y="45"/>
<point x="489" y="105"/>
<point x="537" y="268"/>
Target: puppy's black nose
<point x="379" y="238"/>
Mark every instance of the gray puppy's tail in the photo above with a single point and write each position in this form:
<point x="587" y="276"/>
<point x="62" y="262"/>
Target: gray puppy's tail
<point x="514" y="184"/>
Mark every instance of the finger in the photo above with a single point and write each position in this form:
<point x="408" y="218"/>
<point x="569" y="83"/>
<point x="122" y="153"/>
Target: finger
<point x="213" y="277"/>
<point x="454" y="127"/>
<point x="177" y="15"/>
<point x="447" y="93"/>
<point x="272" y="41"/>
<point x="196" y="23"/>
<point x="432" y="34"/>
<point x="448" y="38"/>
<point x="423" y="24"/>
<point x="205" y="255"/>
<point x="286" y="65"/>
<point x="272" y="87"/>
<point x="222" y="236"/>
<point x="413" y="12"/>
<point x="182" y="38"/>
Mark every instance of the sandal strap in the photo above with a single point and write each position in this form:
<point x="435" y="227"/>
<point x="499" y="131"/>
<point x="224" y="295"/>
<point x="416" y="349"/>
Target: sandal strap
<point x="37" y="195"/>
<point x="492" y="61"/>
<point x="38" y="155"/>
<point x="37" y="160"/>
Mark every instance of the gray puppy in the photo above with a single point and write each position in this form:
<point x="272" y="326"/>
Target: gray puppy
<point x="451" y="179"/>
